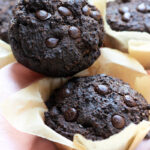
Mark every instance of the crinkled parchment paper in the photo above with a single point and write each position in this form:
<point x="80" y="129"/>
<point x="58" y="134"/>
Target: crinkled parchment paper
<point x="25" y="108"/>
<point x="141" y="51"/>
<point x="6" y="56"/>
<point x="116" y="39"/>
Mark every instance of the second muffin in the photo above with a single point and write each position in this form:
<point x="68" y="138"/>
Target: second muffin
<point x="95" y="107"/>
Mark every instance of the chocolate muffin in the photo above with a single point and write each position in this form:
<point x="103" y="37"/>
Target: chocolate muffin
<point x="96" y="107"/>
<point x="129" y="15"/>
<point x="6" y="7"/>
<point x="54" y="37"/>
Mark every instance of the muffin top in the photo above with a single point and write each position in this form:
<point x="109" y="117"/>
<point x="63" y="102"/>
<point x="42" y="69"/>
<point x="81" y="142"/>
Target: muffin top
<point x="96" y="107"/>
<point x="129" y="15"/>
<point x="56" y="38"/>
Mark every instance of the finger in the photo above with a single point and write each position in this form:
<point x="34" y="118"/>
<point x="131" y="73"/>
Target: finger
<point x="14" y="77"/>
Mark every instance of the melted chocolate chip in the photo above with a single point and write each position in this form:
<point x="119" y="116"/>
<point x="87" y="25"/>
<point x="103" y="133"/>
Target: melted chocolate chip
<point x="64" y="11"/>
<point x="118" y="121"/>
<point x="51" y="42"/>
<point x="43" y="15"/>
<point x="141" y="8"/>
<point x="123" y="10"/>
<point x="70" y="114"/>
<point x="47" y="114"/>
<point x="86" y="10"/>
<point x="96" y="15"/>
<point x="126" y="17"/>
<point x="147" y="107"/>
<point x="66" y="92"/>
<point x="54" y="111"/>
<point x="102" y="89"/>
<point x="74" y="32"/>
<point x="129" y="101"/>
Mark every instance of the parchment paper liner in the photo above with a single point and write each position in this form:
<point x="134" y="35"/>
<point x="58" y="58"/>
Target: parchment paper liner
<point x="140" y="50"/>
<point x="6" y="56"/>
<point x="24" y="109"/>
<point x="116" y="39"/>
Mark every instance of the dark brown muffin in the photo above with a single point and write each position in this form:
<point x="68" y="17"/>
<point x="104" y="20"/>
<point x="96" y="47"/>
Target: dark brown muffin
<point x="6" y="7"/>
<point x="129" y="15"/>
<point x="56" y="38"/>
<point x="96" y="107"/>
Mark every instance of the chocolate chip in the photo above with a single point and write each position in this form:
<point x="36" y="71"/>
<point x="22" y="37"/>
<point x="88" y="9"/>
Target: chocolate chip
<point x="51" y="42"/>
<point x="118" y="121"/>
<point x="129" y="101"/>
<point x="96" y="15"/>
<point x="80" y="126"/>
<point x="64" y="11"/>
<point x="141" y="8"/>
<point x="123" y="10"/>
<point x="147" y="107"/>
<point x="54" y="112"/>
<point x="74" y="32"/>
<point x="70" y="114"/>
<point x="102" y="89"/>
<point x="66" y="92"/>
<point x="86" y="10"/>
<point x="47" y="114"/>
<point x="126" y="17"/>
<point x="43" y="15"/>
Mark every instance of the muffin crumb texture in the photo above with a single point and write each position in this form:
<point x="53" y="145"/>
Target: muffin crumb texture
<point x="56" y="38"/>
<point x="96" y="107"/>
<point x="129" y="15"/>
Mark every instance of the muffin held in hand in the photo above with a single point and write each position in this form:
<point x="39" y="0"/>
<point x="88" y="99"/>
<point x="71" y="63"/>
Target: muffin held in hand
<point x="54" y="37"/>
<point x="6" y="7"/>
<point x="96" y="107"/>
<point x="129" y="15"/>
